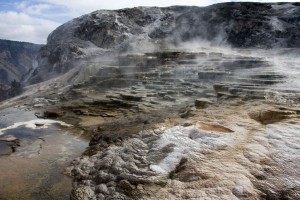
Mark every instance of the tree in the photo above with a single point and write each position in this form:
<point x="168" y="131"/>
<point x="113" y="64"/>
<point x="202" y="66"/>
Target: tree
<point x="3" y="92"/>
<point x="15" y="88"/>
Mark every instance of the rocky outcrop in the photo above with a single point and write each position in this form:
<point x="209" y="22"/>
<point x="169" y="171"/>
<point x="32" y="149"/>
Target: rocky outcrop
<point x="142" y="29"/>
<point x="149" y="166"/>
<point x="202" y="103"/>
<point x="234" y="159"/>
<point x="267" y="116"/>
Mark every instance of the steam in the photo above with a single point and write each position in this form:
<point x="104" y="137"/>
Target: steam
<point x="201" y="31"/>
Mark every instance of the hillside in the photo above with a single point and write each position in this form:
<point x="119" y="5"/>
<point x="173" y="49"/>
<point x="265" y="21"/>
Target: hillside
<point x="106" y="34"/>
<point x="16" y="60"/>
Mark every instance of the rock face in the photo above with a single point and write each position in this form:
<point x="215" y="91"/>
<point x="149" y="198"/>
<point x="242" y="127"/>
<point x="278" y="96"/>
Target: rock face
<point x="147" y="166"/>
<point x="17" y="59"/>
<point x="146" y="29"/>
<point x="269" y="116"/>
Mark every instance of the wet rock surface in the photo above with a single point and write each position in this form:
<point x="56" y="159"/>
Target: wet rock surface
<point x="33" y="155"/>
<point x="146" y="146"/>
<point x="197" y="160"/>
<point x="149" y="140"/>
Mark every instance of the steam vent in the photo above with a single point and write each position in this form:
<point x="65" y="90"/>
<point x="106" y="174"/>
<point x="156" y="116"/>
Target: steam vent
<point x="156" y="103"/>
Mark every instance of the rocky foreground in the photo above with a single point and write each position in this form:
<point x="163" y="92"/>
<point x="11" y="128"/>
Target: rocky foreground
<point x="177" y="124"/>
<point x="17" y="60"/>
<point x="201" y="125"/>
<point x="219" y="153"/>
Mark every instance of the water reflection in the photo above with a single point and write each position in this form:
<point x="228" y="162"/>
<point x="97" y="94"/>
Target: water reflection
<point x="35" y="170"/>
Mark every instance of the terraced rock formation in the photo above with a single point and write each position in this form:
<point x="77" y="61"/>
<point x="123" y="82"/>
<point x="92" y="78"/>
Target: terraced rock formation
<point x="177" y="124"/>
<point x="104" y="33"/>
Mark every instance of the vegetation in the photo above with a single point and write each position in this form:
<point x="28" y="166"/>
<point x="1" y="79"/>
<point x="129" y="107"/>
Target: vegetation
<point x="12" y="91"/>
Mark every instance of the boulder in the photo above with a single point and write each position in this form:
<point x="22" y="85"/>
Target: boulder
<point x="202" y="103"/>
<point x="267" y="116"/>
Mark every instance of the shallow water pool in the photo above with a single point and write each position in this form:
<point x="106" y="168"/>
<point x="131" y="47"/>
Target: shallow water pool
<point x="36" y="169"/>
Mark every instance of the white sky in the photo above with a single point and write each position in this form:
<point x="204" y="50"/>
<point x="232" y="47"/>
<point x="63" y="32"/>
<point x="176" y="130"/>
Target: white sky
<point x="33" y="20"/>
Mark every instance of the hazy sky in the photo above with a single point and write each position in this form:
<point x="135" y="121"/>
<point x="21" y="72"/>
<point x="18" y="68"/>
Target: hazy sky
<point x="33" y="20"/>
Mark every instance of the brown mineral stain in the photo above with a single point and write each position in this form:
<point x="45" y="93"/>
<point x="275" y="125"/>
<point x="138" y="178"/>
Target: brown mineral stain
<point x="214" y="128"/>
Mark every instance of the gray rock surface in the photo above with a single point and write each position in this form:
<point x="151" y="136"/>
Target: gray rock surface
<point x="145" y="165"/>
<point x="103" y="34"/>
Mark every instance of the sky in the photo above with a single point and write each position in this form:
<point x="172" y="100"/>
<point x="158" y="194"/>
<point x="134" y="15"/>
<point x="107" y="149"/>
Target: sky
<point x="33" y="20"/>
